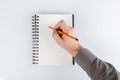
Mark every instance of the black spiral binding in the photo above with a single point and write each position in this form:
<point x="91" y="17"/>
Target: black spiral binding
<point x="35" y="39"/>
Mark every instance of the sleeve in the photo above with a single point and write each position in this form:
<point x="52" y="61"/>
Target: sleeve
<point x="96" y="68"/>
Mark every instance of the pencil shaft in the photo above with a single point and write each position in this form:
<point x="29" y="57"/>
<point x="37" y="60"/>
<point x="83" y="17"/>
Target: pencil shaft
<point x="63" y="33"/>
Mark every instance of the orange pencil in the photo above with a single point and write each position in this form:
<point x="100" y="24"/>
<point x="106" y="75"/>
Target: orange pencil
<point x="63" y="33"/>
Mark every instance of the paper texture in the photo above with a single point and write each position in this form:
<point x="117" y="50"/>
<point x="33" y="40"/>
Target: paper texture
<point x="50" y="53"/>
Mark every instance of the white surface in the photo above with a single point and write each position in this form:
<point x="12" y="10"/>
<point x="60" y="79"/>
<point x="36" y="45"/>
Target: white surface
<point x="97" y="24"/>
<point x="50" y="53"/>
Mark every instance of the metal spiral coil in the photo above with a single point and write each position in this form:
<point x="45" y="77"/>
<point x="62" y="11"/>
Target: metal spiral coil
<point x="35" y="39"/>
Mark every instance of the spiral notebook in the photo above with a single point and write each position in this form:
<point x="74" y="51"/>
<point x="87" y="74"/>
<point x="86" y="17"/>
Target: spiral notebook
<point x="46" y="52"/>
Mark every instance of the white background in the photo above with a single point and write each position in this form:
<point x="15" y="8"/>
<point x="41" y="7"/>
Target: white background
<point x="97" y="25"/>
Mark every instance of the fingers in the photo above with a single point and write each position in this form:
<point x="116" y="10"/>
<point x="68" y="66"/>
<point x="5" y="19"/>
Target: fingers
<point x="62" y="25"/>
<point x="70" y="27"/>
<point x="58" y="25"/>
<point x="56" y="37"/>
<point x="70" y="32"/>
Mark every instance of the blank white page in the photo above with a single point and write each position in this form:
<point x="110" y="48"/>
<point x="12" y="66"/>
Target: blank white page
<point x="50" y="53"/>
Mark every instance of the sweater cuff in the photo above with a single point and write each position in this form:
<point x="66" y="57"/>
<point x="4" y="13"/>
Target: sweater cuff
<point x="84" y="58"/>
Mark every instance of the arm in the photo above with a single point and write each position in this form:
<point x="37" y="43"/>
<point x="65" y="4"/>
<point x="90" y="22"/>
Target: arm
<point x="96" y="68"/>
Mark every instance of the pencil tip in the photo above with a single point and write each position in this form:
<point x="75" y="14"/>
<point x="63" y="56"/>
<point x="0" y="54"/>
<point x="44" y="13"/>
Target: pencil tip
<point x="76" y="39"/>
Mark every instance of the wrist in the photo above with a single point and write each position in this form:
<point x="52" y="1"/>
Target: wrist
<point x="75" y="49"/>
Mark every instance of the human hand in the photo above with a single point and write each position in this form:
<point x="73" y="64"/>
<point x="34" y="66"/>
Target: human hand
<point x="71" y="45"/>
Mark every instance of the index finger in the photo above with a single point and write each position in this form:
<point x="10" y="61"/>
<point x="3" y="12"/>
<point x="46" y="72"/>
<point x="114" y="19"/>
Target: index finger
<point x="61" y="25"/>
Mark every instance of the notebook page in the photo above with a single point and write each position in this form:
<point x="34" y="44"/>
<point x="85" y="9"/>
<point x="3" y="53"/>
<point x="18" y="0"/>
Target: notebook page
<point x="50" y="53"/>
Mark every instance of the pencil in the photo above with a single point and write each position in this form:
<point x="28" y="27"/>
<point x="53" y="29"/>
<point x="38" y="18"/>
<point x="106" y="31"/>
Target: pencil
<point x="63" y="33"/>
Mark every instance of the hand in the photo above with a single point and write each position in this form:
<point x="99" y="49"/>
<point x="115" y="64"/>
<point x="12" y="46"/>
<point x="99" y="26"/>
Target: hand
<point x="71" y="45"/>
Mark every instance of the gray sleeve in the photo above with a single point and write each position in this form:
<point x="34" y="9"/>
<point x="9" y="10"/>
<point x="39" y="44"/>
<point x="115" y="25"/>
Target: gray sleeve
<point x="96" y="68"/>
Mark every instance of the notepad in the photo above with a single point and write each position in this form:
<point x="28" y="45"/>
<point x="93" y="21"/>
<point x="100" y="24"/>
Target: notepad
<point x="46" y="52"/>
